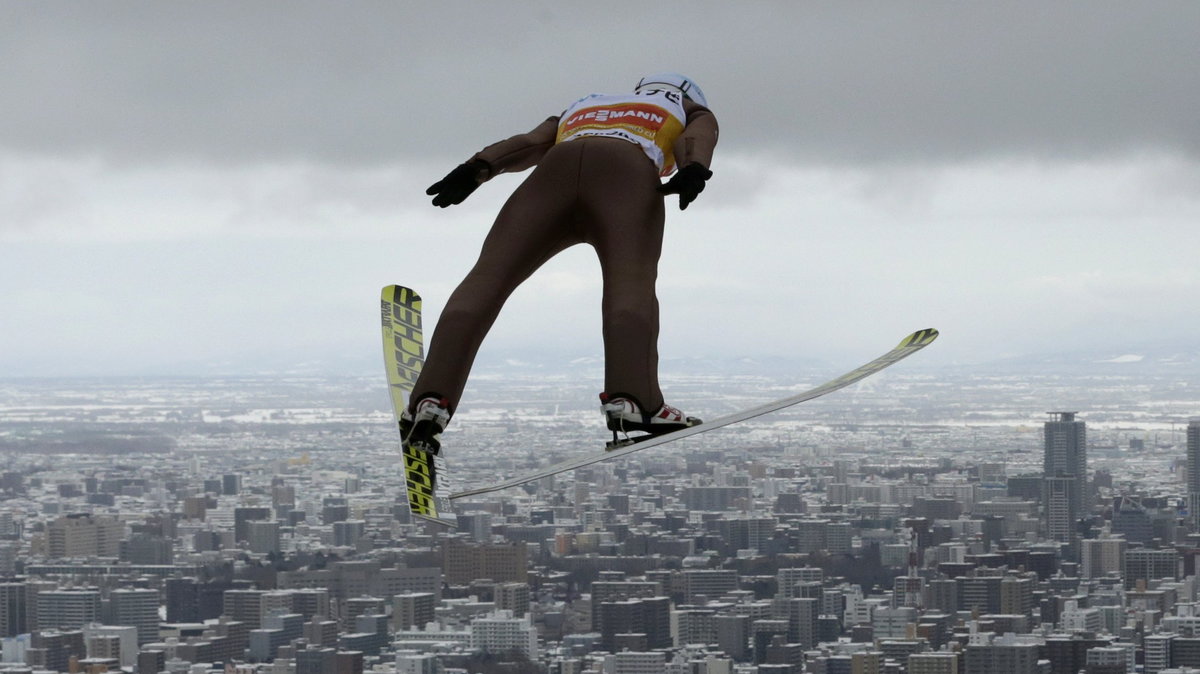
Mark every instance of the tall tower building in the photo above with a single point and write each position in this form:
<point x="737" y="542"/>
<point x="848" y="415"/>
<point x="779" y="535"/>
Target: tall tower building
<point x="1193" y="470"/>
<point x="1060" y="511"/>
<point x="1064" y="479"/>
<point x="1066" y="454"/>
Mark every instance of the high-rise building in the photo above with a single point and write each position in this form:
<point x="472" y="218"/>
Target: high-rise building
<point x="413" y="610"/>
<point x="84" y="535"/>
<point x="464" y="563"/>
<point x="242" y="516"/>
<point x="802" y="615"/>
<point x="13" y="611"/>
<point x="1060" y="511"/>
<point x="1066" y="454"/>
<point x="1068" y="652"/>
<point x="360" y="606"/>
<point x="263" y="537"/>
<point x="512" y="597"/>
<point x="478" y="525"/>
<point x="1016" y="595"/>
<point x="787" y="578"/>
<point x="316" y="660"/>
<point x="8" y="553"/>
<point x="979" y="593"/>
<point x="370" y="635"/>
<point x="54" y="650"/>
<point x="1149" y="564"/>
<point x="1157" y="649"/>
<point x="109" y="641"/>
<point x="310" y="602"/>
<point x="347" y="533"/>
<point x="500" y="632"/>
<point x="244" y="606"/>
<point x="941" y="594"/>
<point x="152" y="661"/>
<point x="633" y="662"/>
<point x="148" y="549"/>
<point x="278" y="629"/>
<point x="189" y="600"/>
<point x="1115" y="658"/>
<point x="933" y="663"/>
<point x="1008" y="654"/>
<point x="733" y="635"/>
<point x="709" y="583"/>
<point x="135" y="607"/>
<point x="650" y="616"/>
<point x="321" y="631"/>
<point x="893" y="623"/>
<point x="1133" y="520"/>
<point x="1193" y="470"/>
<point x="68" y="609"/>
<point x="1102" y="556"/>
<point x="349" y="579"/>
<point x="1193" y="456"/>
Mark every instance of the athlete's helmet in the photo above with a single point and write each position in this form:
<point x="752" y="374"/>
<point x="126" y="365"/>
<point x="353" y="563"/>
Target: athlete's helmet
<point x="683" y="85"/>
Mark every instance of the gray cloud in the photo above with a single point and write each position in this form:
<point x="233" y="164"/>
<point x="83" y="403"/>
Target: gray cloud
<point x="379" y="82"/>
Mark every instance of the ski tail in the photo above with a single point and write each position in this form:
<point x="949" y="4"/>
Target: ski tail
<point x="404" y="355"/>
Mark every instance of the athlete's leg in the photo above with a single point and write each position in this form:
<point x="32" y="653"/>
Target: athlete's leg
<point x="624" y="221"/>
<point x="534" y="225"/>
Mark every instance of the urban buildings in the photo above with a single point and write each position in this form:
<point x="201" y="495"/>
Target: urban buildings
<point x="894" y="533"/>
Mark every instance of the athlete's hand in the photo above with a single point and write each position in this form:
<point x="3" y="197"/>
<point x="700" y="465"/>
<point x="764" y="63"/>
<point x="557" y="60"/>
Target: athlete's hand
<point x="688" y="183"/>
<point x="457" y="185"/>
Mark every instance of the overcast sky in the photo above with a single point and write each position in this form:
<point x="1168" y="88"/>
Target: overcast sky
<point x="191" y="184"/>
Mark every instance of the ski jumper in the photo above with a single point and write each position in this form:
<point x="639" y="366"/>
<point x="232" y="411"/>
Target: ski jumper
<point x="597" y="172"/>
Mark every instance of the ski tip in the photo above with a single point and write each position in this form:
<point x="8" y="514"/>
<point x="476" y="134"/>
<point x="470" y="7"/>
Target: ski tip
<point x="920" y="338"/>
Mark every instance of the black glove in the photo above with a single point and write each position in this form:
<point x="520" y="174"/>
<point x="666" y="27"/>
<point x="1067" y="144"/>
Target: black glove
<point x="688" y="183"/>
<point x="457" y="185"/>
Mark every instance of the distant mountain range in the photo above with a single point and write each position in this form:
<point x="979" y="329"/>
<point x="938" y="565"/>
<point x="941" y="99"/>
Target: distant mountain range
<point x="1146" y="361"/>
<point x="1149" y="361"/>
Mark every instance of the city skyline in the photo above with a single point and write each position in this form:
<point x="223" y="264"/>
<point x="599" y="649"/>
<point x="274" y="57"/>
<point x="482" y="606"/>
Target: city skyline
<point x="895" y="526"/>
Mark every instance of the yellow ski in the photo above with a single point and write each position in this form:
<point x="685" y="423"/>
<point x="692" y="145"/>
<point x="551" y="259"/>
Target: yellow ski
<point x="403" y="355"/>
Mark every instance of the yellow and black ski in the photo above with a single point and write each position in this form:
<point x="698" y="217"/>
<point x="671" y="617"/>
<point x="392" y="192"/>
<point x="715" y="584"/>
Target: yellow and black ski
<point x="403" y="355"/>
<point x="907" y="346"/>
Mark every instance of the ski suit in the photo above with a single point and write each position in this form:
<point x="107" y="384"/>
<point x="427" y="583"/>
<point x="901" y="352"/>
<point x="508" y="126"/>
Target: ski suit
<point x="595" y="181"/>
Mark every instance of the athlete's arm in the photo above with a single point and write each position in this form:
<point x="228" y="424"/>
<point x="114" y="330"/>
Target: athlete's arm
<point x="699" y="138"/>
<point x="518" y="153"/>
<point x="510" y="155"/>
<point x="693" y="153"/>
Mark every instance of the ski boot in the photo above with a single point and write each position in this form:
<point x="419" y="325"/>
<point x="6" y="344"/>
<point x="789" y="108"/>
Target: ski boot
<point x="425" y="478"/>
<point x="623" y="414"/>
<point x="423" y="428"/>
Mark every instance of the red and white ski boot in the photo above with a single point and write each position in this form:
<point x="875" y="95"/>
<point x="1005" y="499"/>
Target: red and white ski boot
<point x="623" y="413"/>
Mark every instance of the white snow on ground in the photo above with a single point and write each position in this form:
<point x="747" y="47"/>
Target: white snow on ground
<point x="1127" y="358"/>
